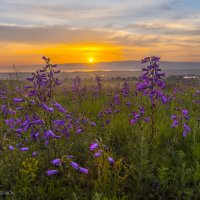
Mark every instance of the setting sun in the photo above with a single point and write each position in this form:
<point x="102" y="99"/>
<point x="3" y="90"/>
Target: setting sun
<point x="91" y="60"/>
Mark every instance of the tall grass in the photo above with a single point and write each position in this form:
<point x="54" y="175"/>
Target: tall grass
<point x="156" y="163"/>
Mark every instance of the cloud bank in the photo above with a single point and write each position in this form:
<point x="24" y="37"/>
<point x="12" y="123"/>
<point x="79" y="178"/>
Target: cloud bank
<point x="127" y="29"/>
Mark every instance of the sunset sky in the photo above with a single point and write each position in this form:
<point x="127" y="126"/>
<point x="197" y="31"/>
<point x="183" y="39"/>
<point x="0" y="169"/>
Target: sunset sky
<point x="104" y="30"/>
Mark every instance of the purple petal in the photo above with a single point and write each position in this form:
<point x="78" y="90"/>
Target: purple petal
<point x="52" y="172"/>
<point x="83" y="170"/>
<point x="56" y="161"/>
<point x="24" y="149"/>
<point x="185" y="112"/>
<point x="93" y="146"/>
<point x="74" y="165"/>
<point x="18" y="100"/>
<point x="34" y="154"/>
<point x="98" y="154"/>
<point x="111" y="160"/>
<point x="11" y="148"/>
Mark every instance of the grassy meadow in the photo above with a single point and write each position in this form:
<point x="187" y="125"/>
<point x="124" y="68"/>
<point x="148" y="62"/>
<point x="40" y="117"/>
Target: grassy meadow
<point x="99" y="139"/>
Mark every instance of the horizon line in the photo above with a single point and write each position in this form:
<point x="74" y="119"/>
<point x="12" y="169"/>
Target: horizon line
<point x="87" y="63"/>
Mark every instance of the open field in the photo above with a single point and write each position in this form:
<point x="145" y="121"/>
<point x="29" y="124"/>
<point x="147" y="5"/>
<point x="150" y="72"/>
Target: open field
<point x="100" y="139"/>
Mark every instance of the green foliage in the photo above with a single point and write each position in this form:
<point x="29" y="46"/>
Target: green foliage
<point x="165" y="166"/>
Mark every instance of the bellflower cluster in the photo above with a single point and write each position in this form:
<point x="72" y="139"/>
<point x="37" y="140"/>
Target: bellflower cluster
<point x="22" y="149"/>
<point x="59" y="107"/>
<point x="76" y="86"/>
<point x="80" y="169"/>
<point x="116" y="99"/>
<point x="181" y="119"/>
<point x="98" y="151"/>
<point x="125" y="89"/>
<point x="105" y="115"/>
<point x="99" y="85"/>
<point x="11" y="123"/>
<point x="197" y="97"/>
<point x="38" y="118"/>
<point x="78" y="91"/>
<point x="139" y="115"/>
<point x="106" y="111"/>
<point x="3" y="94"/>
<point x="151" y="83"/>
<point x="6" y="111"/>
<point x="51" y="120"/>
<point x="58" y="162"/>
<point x="44" y="82"/>
<point x="45" y="107"/>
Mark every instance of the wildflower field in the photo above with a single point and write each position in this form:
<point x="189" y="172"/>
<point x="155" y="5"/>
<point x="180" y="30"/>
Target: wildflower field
<point x="100" y="140"/>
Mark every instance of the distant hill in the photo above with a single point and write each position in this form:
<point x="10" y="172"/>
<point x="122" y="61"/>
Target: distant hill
<point x="132" y="66"/>
<point x="118" y="68"/>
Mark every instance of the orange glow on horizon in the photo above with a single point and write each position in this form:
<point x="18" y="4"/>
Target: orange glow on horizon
<point x="28" y="54"/>
<point x="31" y="54"/>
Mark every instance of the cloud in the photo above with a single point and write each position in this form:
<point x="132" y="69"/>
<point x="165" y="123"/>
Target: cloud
<point x="83" y="13"/>
<point x="166" y="28"/>
<point x="60" y="12"/>
<point x="49" y="34"/>
<point x="136" y="40"/>
<point x="170" y="5"/>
